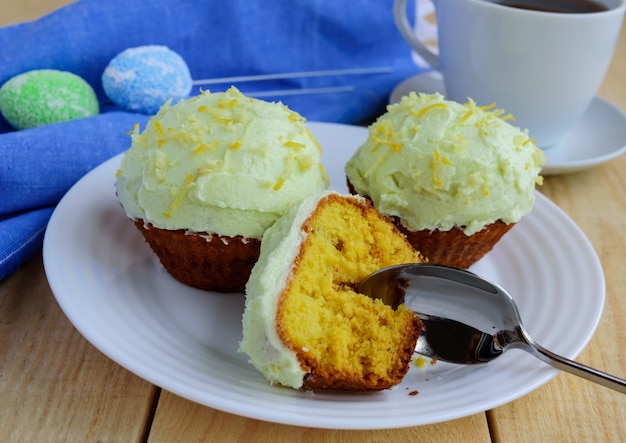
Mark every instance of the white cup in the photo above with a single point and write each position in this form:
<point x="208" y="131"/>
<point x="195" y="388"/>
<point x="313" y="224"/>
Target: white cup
<point x="544" y="68"/>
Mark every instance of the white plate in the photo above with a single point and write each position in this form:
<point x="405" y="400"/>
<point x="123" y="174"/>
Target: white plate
<point x="117" y="295"/>
<point x="598" y="137"/>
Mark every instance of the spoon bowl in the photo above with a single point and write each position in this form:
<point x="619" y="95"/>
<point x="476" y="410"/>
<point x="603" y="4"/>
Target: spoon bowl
<point x="466" y="319"/>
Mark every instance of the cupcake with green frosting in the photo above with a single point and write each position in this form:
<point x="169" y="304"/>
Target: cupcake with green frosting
<point x="207" y="177"/>
<point x="454" y="177"/>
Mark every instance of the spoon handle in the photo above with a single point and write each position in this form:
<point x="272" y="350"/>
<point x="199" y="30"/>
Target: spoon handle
<point x="573" y="367"/>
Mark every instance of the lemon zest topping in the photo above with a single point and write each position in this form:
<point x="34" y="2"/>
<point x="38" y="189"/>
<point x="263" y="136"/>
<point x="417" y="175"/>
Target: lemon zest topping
<point x="396" y="147"/>
<point x="438" y="159"/>
<point x="292" y="144"/>
<point x="214" y="113"/>
<point x="488" y="107"/>
<point x="181" y="195"/>
<point x="304" y="162"/>
<point x="420" y="362"/>
<point x="199" y="149"/>
<point x="223" y="103"/>
<point x="222" y="119"/>
<point x="279" y="184"/>
<point x="211" y="165"/>
<point x="430" y="107"/>
<point x="466" y="116"/>
<point x="236" y="145"/>
<point x="158" y="127"/>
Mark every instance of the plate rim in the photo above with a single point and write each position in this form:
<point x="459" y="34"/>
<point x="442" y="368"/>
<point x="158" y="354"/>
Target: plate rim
<point x="318" y="422"/>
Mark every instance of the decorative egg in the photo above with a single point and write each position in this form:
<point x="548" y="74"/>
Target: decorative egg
<point x="143" y="78"/>
<point x="46" y="96"/>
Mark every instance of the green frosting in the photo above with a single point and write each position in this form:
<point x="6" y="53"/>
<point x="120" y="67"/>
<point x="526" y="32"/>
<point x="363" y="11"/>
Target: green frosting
<point x="220" y="163"/>
<point x="261" y="341"/>
<point x="437" y="164"/>
<point x="46" y="96"/>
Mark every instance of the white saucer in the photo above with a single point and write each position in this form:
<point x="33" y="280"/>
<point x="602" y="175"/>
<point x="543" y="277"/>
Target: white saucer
<point x="598" y="137"/>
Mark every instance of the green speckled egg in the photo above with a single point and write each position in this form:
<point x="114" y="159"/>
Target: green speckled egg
<point x="45" y="96"/>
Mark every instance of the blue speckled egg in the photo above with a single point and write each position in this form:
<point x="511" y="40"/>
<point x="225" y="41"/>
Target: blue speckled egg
<point x="141" y="79"/>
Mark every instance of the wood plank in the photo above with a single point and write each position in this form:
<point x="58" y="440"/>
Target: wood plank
<point x="569" y="408"/>
<point x="178" y="419"/>
<point x="54" y="385"/>
<point x="18" y="11"/>
<point x="565" y="410"/>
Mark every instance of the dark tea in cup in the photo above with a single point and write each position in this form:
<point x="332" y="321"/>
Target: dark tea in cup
<point x="563" y="6"/>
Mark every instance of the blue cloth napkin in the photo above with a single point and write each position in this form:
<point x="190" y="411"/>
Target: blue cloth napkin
<point x="217" y="39"/>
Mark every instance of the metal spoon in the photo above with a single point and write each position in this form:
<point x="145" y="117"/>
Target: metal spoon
<point x="466" y="319"/>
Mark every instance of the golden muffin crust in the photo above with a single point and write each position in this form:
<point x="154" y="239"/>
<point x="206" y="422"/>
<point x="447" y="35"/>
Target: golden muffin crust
<point x="203" y="261"/>
<point x="343" y="339"/>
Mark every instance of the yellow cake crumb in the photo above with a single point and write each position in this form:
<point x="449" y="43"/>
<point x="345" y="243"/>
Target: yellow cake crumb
<point x="354" y="335"/>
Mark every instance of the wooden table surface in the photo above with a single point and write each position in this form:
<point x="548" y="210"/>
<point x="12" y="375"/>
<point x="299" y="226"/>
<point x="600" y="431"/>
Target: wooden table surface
<point x="55" y="386"/>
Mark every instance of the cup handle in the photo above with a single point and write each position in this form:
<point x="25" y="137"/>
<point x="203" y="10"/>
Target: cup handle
<point x="402" y="22"/>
